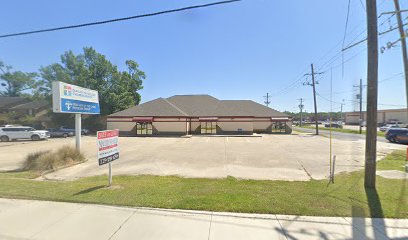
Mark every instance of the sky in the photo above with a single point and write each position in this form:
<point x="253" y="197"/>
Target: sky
<point x="241" y="50"/>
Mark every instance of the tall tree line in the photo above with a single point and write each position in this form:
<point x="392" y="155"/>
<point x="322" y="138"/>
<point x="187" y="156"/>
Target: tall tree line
<point x="118" y="89"/>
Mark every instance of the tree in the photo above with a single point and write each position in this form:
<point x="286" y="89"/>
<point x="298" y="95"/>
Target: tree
<point x="16" y="82"/>
<point x="118" y="90"/>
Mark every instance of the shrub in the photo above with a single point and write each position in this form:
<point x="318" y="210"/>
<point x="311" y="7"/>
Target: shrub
<point x="50" y="160"/>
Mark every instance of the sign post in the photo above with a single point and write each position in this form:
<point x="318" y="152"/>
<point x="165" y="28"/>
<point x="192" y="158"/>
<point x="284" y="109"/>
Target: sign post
<point x="108" y="148"/>
<point x="110" y="174"/>
<point x="78" y="128"/>
<point x="68" y="98"/>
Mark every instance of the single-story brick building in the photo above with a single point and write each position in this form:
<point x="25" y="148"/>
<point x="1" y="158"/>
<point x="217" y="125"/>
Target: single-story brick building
<point x="198" y="114"/>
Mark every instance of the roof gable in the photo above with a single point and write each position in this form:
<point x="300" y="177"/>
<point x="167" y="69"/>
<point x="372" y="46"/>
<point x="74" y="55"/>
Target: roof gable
<point x="199" y="106"/>
<point x="195" y="105"/>
<point x="157" y="107"/>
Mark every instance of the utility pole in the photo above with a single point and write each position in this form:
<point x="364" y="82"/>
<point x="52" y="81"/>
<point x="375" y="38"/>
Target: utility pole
<point x="360" y="97"/>
<point x="372" y="94"/>
<point x="361" y="105"/>
<point x="301" y="106"/>
<point x="341" y="111"/>
<point x="403" y="45"/>
<point x="267" y="102"/>
<point x="313" y="84"/>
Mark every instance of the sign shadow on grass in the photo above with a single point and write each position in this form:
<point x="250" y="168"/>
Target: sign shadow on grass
<point x="88" y="190"/>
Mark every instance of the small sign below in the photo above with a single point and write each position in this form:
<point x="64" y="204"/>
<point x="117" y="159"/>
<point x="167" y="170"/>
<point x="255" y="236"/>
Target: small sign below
<point x="108" y="146"/>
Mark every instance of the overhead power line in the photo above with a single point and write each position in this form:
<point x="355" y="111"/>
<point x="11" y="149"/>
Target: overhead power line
<point x="116" y="19"/>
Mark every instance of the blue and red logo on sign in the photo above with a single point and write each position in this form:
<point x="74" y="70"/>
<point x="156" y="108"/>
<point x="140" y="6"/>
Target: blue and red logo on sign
<point x="67" y="91"/>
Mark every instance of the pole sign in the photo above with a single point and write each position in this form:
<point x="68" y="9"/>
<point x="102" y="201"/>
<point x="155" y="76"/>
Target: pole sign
<point x="108" y="146"/>
<point x="68" y="98"/>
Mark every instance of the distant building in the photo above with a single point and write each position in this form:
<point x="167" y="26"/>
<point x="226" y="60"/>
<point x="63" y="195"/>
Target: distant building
<point x="383" y="116"/>
<point x="8" y="102"/>
<point x="30" y="108"/>
<point x="16" y="109"/>
<point x="198" y="114"/>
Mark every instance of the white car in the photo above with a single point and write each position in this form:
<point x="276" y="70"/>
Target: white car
<point x="14" y="132"/>
<point x="388" y="126"/>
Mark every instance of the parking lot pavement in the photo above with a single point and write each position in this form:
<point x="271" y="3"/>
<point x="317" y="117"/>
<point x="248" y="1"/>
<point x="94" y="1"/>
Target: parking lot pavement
<point x="273" y="157"/>
<point x="27" y="219"/>
<point x="12" y="154"/>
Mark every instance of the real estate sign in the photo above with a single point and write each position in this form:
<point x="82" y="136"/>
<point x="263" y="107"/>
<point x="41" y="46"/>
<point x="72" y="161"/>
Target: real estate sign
<point x="108" y="146"/>
<point x="68" y="98"/>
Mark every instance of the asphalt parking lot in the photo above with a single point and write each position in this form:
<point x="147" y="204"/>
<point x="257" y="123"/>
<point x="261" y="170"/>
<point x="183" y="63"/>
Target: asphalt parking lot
<point x="273" y="157"/>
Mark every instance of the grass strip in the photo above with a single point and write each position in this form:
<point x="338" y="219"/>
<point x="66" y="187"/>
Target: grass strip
<point x="347" y="197"/>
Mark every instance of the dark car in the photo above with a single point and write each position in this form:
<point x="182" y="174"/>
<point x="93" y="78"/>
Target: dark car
<point x="397" y="135"/>
<point x="333" y="125"/>
<point x="57" y="132"/>
<point x="83" y="130"/>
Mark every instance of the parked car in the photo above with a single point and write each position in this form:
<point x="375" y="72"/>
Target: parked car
<point x="333" y="125"/>
<point x="21" y="132"/>
<point x="391" y="121"/>
<point x="83" y="130"/>
<point x="7" y="125"/>
<point x="397" y="135"/>
<point x="388" y="126"/>
<point x="55" y="132"/>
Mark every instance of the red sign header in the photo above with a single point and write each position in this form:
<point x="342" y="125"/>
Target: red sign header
<point x="108" y="134"/>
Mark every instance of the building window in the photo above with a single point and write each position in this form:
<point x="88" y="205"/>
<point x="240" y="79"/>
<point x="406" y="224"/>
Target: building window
<point x="208" y="127"/>
<point x="144" y="128"/>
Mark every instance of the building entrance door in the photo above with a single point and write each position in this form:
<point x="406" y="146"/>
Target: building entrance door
<point x="144" y="128"/>
<point x="208" y="127"/>
<point x="278" y="127"/>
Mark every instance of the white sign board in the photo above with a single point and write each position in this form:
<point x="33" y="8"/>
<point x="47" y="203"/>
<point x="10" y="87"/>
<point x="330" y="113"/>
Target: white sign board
<point x="68" y="98"/>
<point x="108" y="146"/>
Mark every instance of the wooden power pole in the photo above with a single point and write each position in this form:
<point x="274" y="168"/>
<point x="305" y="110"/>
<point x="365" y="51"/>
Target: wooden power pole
<point x="403" y="45"/>
<point x="313" y="84"/>
<point x="301" y="111"/>
<point x="372" y="94"/>
<point x="314" y="99"/>
<point x="361" y="105"/>
<point x="360" y="98"/>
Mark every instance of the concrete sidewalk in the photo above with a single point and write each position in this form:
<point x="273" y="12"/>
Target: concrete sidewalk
<point x="24" y="219"/>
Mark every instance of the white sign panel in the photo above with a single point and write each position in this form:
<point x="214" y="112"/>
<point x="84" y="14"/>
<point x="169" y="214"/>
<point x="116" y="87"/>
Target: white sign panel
<point x="68" y="98"/>
<point x="108" y="146"/>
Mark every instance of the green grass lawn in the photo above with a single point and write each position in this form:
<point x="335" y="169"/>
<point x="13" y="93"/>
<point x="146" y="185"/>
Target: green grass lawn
<point x="379" y="133"/>
<point x="393" y="161"/>
<point x="346" y="197"/>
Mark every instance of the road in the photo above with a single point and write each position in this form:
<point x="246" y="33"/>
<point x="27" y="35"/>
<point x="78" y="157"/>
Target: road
<point x="25" y="219"/>
<point x="339" y="135"/>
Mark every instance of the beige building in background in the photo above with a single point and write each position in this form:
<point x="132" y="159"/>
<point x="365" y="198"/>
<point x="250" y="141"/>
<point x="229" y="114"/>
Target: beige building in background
<point x="198" y="114"/>
<point x="383" y="116"/>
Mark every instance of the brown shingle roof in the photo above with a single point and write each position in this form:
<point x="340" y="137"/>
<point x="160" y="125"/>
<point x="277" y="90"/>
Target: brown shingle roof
<point x="37" y="104"/>
<point x="246" y="108"/>
<point x="157" y="107"/>
<point x="199" y="106"/>
<point x="7" y="102"/>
